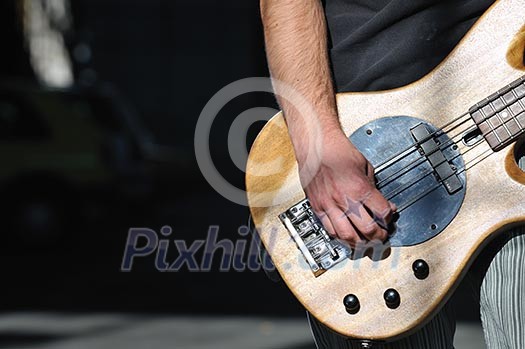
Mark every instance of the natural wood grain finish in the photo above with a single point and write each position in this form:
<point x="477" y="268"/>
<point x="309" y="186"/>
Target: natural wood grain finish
<point x="511" y="166"/>
<point x="494" y="199"/>
<point x="515" y="52"/>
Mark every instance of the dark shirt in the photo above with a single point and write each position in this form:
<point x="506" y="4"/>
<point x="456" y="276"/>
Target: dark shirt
<point x="382" y="44"/>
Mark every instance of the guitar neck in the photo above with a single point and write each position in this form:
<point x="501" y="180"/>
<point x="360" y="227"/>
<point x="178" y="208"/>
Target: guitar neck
<point x="501" y="116"/>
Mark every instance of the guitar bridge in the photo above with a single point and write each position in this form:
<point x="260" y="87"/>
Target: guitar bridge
<point x="320" y="250"/>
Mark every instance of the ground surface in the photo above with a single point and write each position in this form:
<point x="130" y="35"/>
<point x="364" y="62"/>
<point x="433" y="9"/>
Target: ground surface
<point x="113" y="331"/>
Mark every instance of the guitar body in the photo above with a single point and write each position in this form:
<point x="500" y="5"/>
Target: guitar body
<point x="489" y="57"/>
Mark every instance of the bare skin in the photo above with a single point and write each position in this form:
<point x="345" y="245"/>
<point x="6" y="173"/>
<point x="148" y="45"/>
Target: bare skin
<point x="336" y="177"/>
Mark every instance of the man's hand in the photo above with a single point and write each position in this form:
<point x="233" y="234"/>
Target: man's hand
<point x="343" y="194"/>
<point x="339" y="182"/>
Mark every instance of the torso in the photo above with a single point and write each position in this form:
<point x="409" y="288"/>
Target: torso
<point x="382" y="44"/>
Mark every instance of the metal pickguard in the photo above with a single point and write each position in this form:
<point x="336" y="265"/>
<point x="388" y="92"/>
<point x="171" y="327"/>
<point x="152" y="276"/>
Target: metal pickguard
<point x="419" y="222"/>
<point x="411" y="176"/>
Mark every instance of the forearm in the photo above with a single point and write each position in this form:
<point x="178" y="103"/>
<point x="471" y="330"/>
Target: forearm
<point x="296" y="46"/>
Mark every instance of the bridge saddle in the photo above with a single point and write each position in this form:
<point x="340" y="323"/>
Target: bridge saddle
<point x="320" y="250"/>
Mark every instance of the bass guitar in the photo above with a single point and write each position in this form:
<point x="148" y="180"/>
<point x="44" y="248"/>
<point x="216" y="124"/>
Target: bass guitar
<point x="444" y="149"/>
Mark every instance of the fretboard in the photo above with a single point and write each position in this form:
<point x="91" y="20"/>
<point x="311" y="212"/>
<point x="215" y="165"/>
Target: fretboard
<point x="501" y="116"/>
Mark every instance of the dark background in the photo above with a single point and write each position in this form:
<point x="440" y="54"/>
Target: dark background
<point x="163" y="60"/>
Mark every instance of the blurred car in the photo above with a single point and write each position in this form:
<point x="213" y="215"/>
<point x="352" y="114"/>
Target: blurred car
<point x="68" y="154"/>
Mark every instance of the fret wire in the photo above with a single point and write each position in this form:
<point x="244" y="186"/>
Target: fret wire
<point x="501" y="129"/>
<point x="490" y="124"/>
<point x="503" y="123"/>
<point x="489" y="118"/>
<point x="522" y="129"/>
<point x="523" y="109"/>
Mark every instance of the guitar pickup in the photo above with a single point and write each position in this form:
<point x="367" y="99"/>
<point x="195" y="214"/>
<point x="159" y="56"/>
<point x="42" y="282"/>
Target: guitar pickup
<point x="320" y="251"/>
<point x="428" y="146"/>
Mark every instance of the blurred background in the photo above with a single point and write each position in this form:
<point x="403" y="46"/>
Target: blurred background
<point x="98" y="105"/>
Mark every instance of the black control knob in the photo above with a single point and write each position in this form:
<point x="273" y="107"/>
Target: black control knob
<point x="351" y="303"/>
<point x="420" y="268"/>
<point x="392" y="298"/>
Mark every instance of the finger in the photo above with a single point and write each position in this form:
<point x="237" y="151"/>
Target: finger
<point x="393" y="206"/>
<point x="380" y="208"/>
<point x="366" y="225"/>
<point x="325" y="221"/>
<point x="343" y="227"/>
<point x="370" y="173"/>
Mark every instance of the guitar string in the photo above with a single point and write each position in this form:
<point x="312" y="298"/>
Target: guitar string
<point x="404" y="187"/>
<point x="414" y="164"/>
<point x="413" y="146"/>
<point x="381" y="183"/>
<point x="419" y="197"/>
<point x="418" y="161"/>
<point x="421" y="160"/>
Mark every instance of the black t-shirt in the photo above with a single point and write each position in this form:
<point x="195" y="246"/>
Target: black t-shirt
<point x="382" y="44"/>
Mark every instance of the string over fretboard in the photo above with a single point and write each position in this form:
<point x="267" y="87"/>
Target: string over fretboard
<point x="501" y="116"/>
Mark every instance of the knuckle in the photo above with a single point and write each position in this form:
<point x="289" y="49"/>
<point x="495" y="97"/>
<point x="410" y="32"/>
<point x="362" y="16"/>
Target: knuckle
<point x="383" y="203"/>
<point x="361" y="182"/>
<point x="349" y="236"/>
<point x="321" y="204"/>
<point x="381" y="235"/>
<point x="353" y="240"/>
<point x="331" y="232"/>
<point x="386" y="215"/>
<point x="364" y="188"/>
<point x="383" y="214"/>
<point x="327" y="225"/>
<point x="370" y="229"/>
<point x="342" y="226"/>
<point x="340" y="199"/>
<point x="377" y="200"/>
<point x="316" y="206"/>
